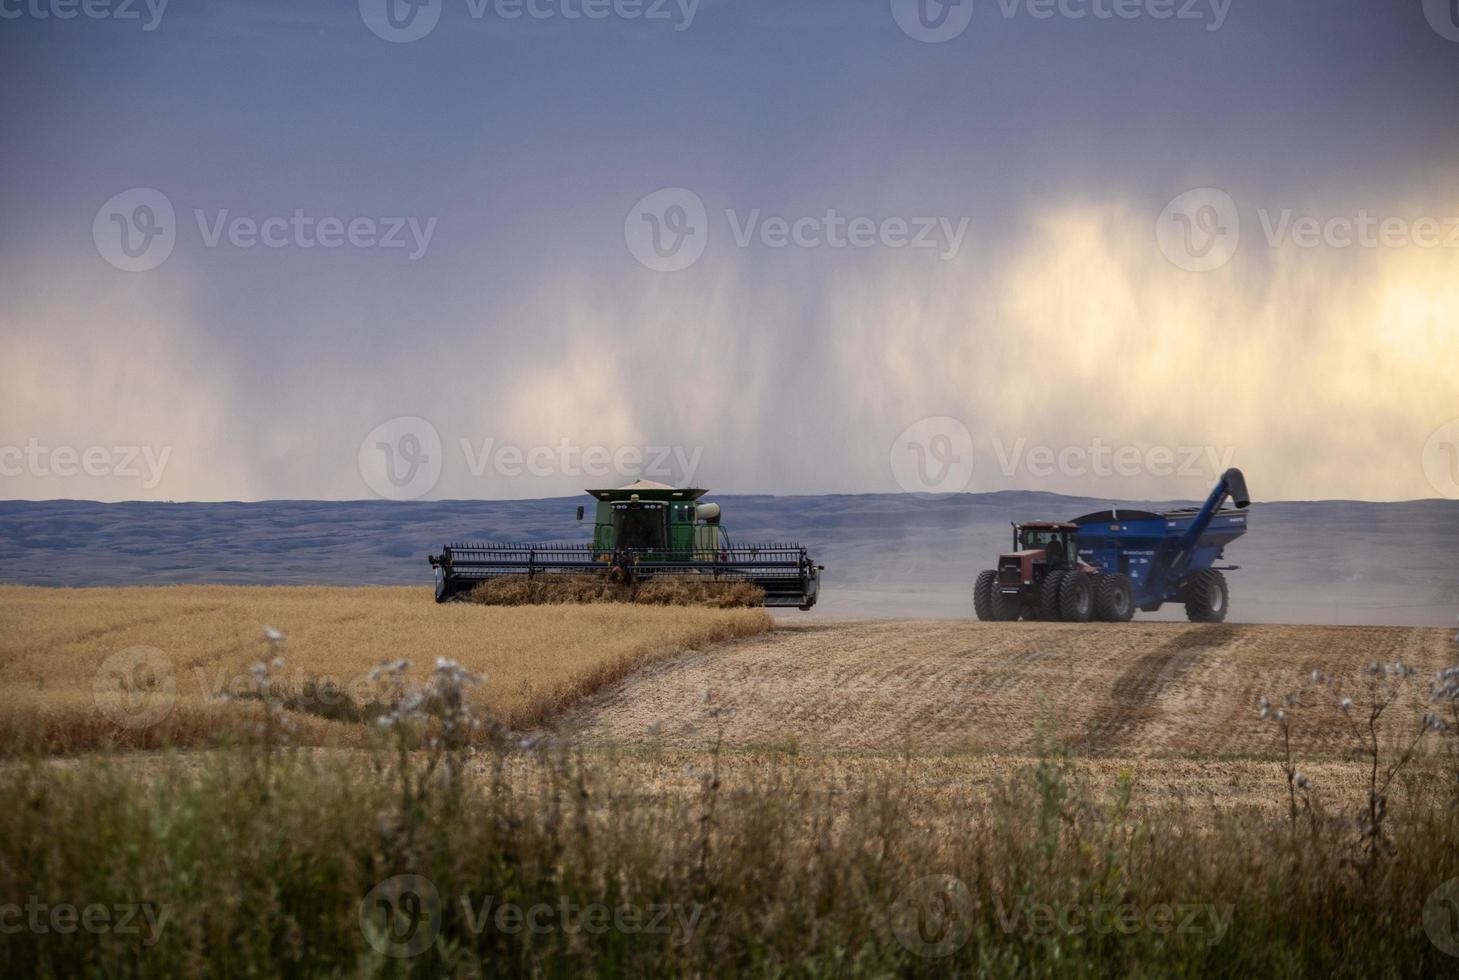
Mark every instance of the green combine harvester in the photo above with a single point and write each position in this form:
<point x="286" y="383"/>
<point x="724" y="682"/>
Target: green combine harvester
<point x="642" y="531"/>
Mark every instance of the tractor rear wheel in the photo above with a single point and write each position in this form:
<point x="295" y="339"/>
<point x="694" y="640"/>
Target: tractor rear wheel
<point x="1076" y="598"/>
<point x="1206" y="597"/>
<point x="1114" y="600"/>
<point x="1049" y="597"/>
<point x="983" y="596"/>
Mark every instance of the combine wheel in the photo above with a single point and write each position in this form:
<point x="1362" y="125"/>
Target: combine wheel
<point x="1206" y="597"/>
<point x="1114" y="600"/>
<point x="1049" y="597"/>
<point x="983" y="595"/>
<point x="1076" y="598"/>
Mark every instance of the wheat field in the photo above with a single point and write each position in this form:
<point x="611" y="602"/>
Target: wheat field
<point x="150" y="666"/>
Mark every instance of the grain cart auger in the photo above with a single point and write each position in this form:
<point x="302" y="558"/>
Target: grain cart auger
<point x="642" y="531"/>
<point x="1107" y="564"/>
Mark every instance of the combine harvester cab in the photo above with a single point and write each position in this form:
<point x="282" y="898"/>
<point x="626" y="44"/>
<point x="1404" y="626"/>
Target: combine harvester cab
<point x="642" y="531"/>
<point x="1107" y="564"/>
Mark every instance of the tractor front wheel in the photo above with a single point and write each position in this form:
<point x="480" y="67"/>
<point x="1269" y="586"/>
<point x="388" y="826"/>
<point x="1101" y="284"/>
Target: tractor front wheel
<point x="983" y="595"/>
<point x="1114" y="601"/>
<point x="1206" y="597"/>
<point x="1076" y="598"/>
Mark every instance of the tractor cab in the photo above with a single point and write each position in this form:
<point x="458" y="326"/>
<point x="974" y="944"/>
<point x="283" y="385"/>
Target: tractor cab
<point x="1039" y="547"/>
<point x="1058" y="541"/>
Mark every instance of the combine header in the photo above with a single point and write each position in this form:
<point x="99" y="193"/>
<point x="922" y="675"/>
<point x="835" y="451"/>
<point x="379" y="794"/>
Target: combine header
<point x="1107" y="564"/>
<point x="642" y="531"/>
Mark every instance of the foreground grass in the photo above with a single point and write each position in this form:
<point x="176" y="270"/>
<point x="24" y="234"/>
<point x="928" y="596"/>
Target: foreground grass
<point x="147" y="667"/>
<point x="554" y="864"/>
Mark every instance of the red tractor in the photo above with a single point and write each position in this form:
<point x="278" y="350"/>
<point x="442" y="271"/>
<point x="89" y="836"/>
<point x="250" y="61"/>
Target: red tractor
<point x="1043" y="577"/>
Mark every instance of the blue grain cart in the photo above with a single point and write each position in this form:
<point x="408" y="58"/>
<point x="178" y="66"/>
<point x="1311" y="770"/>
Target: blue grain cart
<point x="1107" y="564"/>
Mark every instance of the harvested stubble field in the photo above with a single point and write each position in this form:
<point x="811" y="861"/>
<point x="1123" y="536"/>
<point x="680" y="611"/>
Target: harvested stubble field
<point x="165" y="655"/>
<point x="1147" y="690"/>
<point x="956" y="704"/>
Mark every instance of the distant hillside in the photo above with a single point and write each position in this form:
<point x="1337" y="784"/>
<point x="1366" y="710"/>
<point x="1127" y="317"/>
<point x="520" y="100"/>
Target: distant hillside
<point x="885" y="554"/>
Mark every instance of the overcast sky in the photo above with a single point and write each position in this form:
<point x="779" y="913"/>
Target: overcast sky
<point x="488" y="248"/>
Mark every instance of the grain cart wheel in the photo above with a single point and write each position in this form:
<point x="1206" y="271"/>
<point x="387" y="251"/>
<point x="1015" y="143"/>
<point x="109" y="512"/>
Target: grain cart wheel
<point x="1076" y="598"/>
<point x="983" y="596"/>
<point x="1049" y="597"/>
<point x="1114" y="601"/>
<point x="1206" y="597"/>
